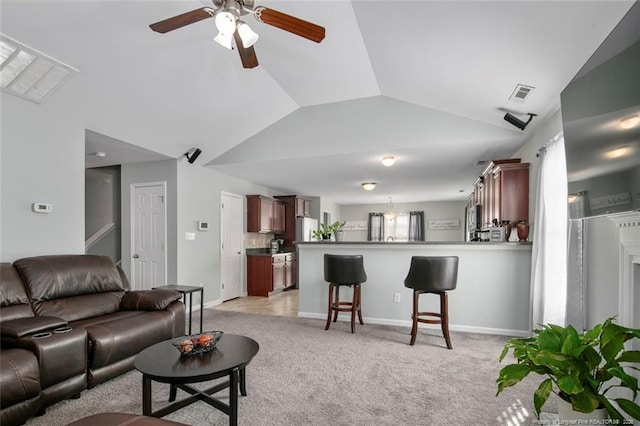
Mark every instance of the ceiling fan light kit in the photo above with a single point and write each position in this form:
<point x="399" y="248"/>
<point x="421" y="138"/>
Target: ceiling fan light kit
<point x="248" y="36"/>
<point x="227" y="15"/>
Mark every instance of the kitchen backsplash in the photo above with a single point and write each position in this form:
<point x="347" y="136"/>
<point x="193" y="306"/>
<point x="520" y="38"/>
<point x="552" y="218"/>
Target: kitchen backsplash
<point x="255" y="240"/>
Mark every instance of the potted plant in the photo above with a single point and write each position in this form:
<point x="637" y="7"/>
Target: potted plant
<point x="337" y="229"/>
<point x="323" y="232"/>
<point x="580" y="369"/>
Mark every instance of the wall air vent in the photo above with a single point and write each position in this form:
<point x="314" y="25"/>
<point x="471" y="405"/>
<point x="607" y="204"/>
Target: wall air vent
<point x="29" y="74"/>
<point x="521" y="93"/>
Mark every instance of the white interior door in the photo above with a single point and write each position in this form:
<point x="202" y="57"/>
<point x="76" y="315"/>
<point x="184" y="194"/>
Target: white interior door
<point x="231" y="214"/>
<point x="148" y="235"/>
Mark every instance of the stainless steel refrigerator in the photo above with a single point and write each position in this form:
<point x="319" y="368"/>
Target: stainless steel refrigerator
<point x="305" y="227"/>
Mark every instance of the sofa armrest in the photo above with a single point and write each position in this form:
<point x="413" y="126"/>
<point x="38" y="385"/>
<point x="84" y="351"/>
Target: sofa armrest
<point x="148" y="300"/>
<point x="23" y="326"/>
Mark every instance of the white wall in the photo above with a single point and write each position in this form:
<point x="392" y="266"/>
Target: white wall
<point x="199" y="192"/>
<point x="42" y="161"/>
<point x="432" y="210"/>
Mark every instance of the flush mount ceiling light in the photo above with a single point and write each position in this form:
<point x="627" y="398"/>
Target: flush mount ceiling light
<point x="29" y="74"/>
<point x="369" y="186"/>
<point x="517" y="122"/>
<point x="388" y="160"/>
<point x="630" y="122"/>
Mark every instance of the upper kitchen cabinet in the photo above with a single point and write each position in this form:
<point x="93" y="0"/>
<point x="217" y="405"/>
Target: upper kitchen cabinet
<point x="294" y="207"/>
<point x="502" y="192"/>
<point x="265" y="215"/>
<point x="303" y="207"/>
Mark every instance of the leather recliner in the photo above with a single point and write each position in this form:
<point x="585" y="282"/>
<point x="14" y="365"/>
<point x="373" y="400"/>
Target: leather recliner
<point x="91" y="326"/>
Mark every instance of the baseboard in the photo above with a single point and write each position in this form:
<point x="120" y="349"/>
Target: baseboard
<point x="407" y="323"/>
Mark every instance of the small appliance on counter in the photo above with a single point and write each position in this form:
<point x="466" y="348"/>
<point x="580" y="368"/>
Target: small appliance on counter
<point x="276" y="244"/>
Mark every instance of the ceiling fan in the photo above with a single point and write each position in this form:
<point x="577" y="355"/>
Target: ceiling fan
<point x="228" y="13"/>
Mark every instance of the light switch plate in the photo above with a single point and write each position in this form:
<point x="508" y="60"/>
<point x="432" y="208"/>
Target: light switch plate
<point x="190" y="236"/>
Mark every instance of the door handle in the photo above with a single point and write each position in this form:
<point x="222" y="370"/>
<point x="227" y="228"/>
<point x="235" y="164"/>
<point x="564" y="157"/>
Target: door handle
<point x="135" y="256"/>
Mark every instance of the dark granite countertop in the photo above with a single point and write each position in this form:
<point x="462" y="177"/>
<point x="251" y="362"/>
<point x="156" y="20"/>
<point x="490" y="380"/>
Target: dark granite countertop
<point x="267" y="251"/>
<point x="422" y="243"/>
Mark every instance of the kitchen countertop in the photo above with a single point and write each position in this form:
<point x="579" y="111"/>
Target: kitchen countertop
<point x="422" y="243"/>
<point x="267" y="252"/>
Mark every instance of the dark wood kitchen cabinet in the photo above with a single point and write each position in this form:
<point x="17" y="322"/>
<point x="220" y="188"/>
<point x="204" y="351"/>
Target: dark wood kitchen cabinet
<point x="303" y="207"/>
<point x="267" y="275"/>
<point x="294" y="207"/>
<point x="265" y="215"/>
<point x="502" y="192"/>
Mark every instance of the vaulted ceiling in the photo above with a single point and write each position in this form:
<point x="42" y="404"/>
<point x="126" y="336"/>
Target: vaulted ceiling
<point x="426" y="81"/>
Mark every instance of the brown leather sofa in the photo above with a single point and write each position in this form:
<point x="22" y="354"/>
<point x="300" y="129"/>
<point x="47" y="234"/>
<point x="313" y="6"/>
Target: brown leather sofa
<point x="68" y="323"/>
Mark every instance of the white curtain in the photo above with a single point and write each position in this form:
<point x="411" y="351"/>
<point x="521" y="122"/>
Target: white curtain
<point x="549" y="252"/>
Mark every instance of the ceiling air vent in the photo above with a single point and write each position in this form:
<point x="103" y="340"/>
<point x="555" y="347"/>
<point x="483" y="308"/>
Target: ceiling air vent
<point x="29" y="74"/>
<point x="521" y="93"/>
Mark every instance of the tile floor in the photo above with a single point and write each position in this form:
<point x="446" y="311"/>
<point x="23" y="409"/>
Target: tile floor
<point x="284" y="303"/>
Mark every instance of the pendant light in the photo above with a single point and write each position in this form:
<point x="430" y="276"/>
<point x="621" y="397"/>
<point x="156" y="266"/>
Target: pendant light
<point x="389" y="214"/>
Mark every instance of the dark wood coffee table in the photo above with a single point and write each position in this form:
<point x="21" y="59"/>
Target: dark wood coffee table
<point x="163" y="363"/>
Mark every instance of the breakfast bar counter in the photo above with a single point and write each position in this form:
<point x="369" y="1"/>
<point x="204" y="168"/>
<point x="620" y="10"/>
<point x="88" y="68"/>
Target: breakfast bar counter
<point x="492" y="295"/>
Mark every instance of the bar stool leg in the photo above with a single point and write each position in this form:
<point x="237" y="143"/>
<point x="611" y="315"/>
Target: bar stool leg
<point x="354" y="306"/>
<point x="444" y="316"/>
<point x="330" y="308"/>
<point x="337" y="303"/>
<point x="360" y="305"/>
<point x="414" y="317"/>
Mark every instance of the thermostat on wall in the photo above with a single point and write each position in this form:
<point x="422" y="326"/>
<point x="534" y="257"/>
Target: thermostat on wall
<point x="203" y="226"/>
<point x="42" y="207"/>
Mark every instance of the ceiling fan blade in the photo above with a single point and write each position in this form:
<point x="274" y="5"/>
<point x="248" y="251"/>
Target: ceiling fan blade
<point x="290" y="23"/>
<point x="247" y="54"/>
<point x="182" y="20"/>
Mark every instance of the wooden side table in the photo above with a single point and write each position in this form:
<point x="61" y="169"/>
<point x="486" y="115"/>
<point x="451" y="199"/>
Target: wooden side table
<point x="186" y="289"/>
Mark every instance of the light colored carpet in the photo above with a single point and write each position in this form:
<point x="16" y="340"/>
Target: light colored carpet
<point x="304" y="375"/>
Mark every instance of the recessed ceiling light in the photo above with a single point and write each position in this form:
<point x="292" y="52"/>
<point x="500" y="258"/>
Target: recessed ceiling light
<point x="388" y="160"/>
<point x="369" y="186"/>
<point x="101" y="154"/>
<point x="629" y="122"/>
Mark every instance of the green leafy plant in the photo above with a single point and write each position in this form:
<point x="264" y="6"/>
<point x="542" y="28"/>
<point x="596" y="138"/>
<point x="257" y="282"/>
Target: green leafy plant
<point x="580" y="369"/>
<point x="337" y="225"/>
<point x="323" y="232"/>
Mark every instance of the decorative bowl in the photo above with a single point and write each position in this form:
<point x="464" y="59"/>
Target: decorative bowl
<point x="196" y="344"/>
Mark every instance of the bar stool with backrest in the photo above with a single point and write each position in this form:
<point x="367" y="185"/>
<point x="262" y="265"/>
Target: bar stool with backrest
<point x="344" y="270"/>
<point x="437" y="275"/>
